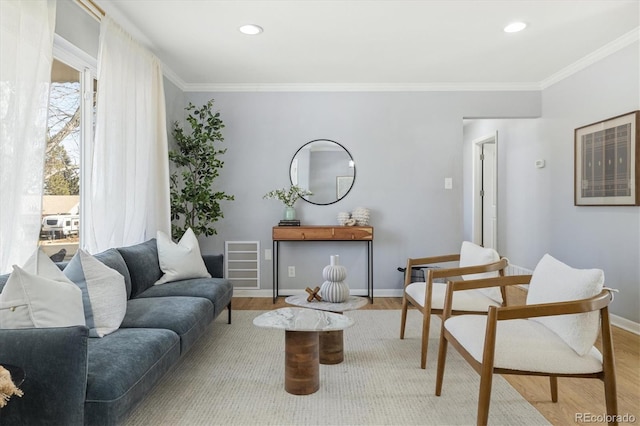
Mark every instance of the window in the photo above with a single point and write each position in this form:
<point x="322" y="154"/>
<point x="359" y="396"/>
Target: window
<point x="69" y="136"/>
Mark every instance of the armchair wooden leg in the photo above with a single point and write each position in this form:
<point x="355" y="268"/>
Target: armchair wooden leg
<point x="442" y="358"/>
<point x="611" y="397"/>
<point x="553" y="382"/>
<point x="403" y="318"/>
<point x="229" y="309"/>
<point x="486" y="379"/>
<point x="426" y="320"/>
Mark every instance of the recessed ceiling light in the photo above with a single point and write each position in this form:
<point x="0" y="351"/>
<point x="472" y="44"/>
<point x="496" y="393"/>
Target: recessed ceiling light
<point x="514" y="27"/>
<point x="251" y="29"/>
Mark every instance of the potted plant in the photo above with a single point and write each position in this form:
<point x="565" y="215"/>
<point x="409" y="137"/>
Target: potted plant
<point x="288" y="197"/>
<point x="197" y="160"/>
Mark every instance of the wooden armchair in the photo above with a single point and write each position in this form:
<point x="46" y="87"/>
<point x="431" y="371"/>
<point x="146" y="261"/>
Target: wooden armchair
<point x="535" y="341"/>
<point x="428" y="296"/>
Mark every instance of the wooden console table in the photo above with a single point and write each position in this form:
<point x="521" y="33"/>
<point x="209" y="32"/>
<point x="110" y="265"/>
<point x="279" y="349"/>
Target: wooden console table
<point x="323" y="233"/>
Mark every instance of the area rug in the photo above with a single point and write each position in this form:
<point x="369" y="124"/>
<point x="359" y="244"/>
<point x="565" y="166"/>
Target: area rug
<point x="235" y="376"/>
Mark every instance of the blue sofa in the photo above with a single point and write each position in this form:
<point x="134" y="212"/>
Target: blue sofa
<point x="72" y="379"/>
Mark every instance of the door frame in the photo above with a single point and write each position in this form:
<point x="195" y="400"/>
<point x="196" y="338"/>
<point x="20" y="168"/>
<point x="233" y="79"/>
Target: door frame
<point x="477" y="186"/>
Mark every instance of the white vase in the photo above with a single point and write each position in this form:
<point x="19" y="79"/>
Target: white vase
<point x="334" y="289"/>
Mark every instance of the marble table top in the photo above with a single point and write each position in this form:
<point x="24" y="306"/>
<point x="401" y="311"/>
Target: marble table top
<point x="351" y="304"/>
<point x="301" y="319"/>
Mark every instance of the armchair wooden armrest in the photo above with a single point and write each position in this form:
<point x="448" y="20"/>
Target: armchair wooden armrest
<point x="557" y="308"/>
<point x="489" y="282"/>
<point x="468" y="270"/>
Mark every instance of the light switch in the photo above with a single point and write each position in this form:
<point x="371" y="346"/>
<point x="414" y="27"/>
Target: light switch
<point x="267" y="254"/>
<point x="448" y="183"/>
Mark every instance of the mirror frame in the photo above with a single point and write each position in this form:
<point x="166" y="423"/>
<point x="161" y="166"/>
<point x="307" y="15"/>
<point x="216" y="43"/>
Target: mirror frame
<point x="345" y="150"/>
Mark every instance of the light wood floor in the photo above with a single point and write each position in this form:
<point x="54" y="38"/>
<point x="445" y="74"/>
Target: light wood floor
<point x="575" y="396"/>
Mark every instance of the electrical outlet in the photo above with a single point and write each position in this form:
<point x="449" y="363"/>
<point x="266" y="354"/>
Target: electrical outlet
<point x="448" y="183"/>
<point x="267" y="254"/>
<point x="292" y="271"/>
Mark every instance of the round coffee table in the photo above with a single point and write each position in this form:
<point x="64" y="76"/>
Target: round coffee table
<point x="301" y="365"/>
<point x="331" y="342"/>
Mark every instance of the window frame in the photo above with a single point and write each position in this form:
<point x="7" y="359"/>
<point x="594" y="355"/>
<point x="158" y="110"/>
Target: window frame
<point x="71" y="55"/>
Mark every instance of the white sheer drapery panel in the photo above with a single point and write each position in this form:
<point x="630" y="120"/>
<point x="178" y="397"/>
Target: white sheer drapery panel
<point x="26" y="50"/>
<point x="129" y="174"/>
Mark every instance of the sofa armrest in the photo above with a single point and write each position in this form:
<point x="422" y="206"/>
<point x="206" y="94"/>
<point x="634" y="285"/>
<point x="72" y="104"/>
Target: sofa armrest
<point x="55" y="364"/>
<point x="214" y="264"/>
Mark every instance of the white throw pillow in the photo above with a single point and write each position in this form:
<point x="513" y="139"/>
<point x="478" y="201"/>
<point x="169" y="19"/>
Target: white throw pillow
<point x="473" y="255"/>
<point x="180" y="261"/>
<point x="553" y="281"/>
<point x="104" y="293"/>
<point x="38" y="295"/>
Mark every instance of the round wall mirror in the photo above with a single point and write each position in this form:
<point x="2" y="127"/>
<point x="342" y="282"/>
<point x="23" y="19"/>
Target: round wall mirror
<point x="325" y="168"/>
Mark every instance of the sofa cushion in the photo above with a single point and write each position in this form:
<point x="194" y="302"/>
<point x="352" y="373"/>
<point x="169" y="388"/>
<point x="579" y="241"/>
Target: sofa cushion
<point x="186" y="316"/>
<point x="180" y="261"/>
<point x="104" y="293"/>
<point x="142" y="262"/>
<point x="114" y="260"/>
<point x="218" y="290"/>
<point x="123" y="367"/>
<point x="39" y="295"/>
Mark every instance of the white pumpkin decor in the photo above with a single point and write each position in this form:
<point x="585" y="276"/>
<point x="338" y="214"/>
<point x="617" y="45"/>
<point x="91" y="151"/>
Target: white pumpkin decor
<point x="334" y="289"/>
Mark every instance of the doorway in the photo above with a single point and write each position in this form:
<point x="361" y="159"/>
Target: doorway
<point x="485" y="191"/>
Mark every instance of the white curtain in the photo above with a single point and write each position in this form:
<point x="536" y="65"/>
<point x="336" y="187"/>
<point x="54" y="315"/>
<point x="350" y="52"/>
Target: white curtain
<point x="26" y="52"/>
<point x="129" y="174"/>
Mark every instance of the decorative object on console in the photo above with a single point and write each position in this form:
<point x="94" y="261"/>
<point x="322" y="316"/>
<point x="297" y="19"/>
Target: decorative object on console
<point x="334" y="289"/>
<point x="198" y="162"/>
<point x="343" y="218"/>
<point x="289" y="198"/>
<point x="285" y="222"/>
<point x="361" y="215"/>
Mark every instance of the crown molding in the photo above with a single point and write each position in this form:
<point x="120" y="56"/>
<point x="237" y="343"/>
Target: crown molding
<point x="361" y="87"/>
<point x="172" y="76"/>
<point x="595" y="56"/>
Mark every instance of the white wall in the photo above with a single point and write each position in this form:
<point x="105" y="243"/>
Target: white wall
<point x="604" y="237"/>
<point x="404" y="145"/>
<point x="536" y="210"/>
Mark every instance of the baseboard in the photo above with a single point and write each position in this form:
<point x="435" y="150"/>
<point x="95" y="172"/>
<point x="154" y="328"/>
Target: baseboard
<point x="617" y="321"/>
<point x="625" y="324"/>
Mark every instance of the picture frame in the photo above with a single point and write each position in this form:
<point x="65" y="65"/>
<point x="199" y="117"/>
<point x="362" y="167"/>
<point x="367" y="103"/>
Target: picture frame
<point x="343" y="184"/>
<point x="606" y="162"/>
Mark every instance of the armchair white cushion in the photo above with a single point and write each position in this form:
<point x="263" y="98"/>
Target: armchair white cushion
<point x="468" y="300"/>
<point x="473" y="254"/>
<point x="523" y="345"/>
<point x="553" y="281"/>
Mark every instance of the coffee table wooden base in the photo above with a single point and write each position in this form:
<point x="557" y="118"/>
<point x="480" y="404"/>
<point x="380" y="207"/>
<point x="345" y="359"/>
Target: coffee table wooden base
<point x="301" y="363"/>
<point x="331" y="347"/>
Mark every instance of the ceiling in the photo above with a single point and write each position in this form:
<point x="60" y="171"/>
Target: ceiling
<point x="375" y="44"/>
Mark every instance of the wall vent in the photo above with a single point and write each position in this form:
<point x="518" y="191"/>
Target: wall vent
<point x="242" y="264"/>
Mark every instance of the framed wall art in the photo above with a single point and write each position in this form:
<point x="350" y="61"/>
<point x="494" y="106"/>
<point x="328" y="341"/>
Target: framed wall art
<point x="607" y="162"/>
